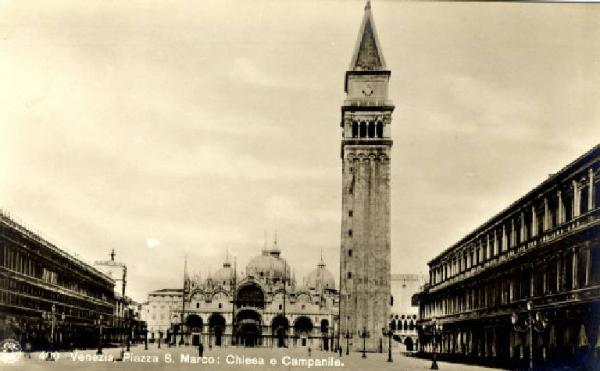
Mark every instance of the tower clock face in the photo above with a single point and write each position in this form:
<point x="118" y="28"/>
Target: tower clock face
<point x="368" y="91"/>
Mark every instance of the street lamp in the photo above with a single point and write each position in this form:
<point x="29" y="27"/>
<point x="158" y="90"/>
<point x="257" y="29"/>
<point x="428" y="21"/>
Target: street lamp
<point x="98" y="322"/>
<point x="347" y="342"/>
<point x="435" y="329"/>
<point x="128" y="340"/>
<point x="388" y="332"/>
<point x="537" y="323"/>
<point x="51" y="317"/>
<point x="364" y="335"/>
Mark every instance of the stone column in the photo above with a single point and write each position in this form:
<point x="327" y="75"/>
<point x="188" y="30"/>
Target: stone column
<point x="484" y="343"/>
<point x="588" y="262"/>
<point x="575" y="268"/>
<point x="546" y="215"/>
<point x="497" y="246"/>
<point x="531" y="281"/>
<point x="470" y="342"/>
<point x="576" y="199"/>
<point x="523" y="228"/>
<point x="504" y="244"/>
<point x="534" y="230"/>
<point x="559" y="274"/>
<point x="561" y="209"/>
<point x="544" y="286"/>
<point x="513" y="233"/>
<point x="494" y="341"/>
<point x="469" y="259"/>
<point x="591" y="189"/>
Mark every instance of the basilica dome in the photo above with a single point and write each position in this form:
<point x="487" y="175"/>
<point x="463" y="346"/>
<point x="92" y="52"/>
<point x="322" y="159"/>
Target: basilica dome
<point x="320" y="278"/>
<point x="224" y="275"/>
<point x="269" y="265"/>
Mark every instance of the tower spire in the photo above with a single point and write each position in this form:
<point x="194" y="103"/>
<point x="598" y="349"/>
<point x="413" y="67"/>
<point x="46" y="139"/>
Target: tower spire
<point x="367" y="54"/>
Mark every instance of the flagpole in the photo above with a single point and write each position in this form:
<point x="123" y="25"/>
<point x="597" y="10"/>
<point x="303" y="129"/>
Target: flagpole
<point x="185" y="274"/>
<point x="233" y="342"/>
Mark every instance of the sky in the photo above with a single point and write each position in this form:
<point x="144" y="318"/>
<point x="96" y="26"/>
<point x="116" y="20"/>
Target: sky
<point x="161" y="129"/>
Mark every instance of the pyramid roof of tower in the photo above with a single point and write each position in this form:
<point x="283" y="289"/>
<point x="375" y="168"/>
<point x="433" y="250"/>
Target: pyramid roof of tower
<point x="367" y="54"/>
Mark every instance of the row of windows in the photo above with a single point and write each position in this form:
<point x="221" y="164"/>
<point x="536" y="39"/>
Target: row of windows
<point x="555" y="210"/>
<point x="27" y="296"/>
<point x="554" y="276"/>
<point x="11" y="257"/>
<point x="402" y="325"/>
<point x="367" y="129"/>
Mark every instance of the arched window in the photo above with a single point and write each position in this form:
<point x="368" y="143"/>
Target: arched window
<point x="379" y="129"/>
<point x="371" y="129"/>
<point x="363" y="129"/>
<point x="354" y="129"/>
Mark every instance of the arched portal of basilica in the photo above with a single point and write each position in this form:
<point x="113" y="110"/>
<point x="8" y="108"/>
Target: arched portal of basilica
<point x="248" y="328"/>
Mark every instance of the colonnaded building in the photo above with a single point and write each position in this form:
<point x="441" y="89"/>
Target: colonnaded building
<point x="526" y="283"/>
<point x="264" y="307"/>
<point x="48" y="297"/>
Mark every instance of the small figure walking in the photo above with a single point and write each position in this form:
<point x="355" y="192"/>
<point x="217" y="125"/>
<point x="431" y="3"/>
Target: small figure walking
<point x="200" y="350"/>
<point x="309" y="351"/>
<point x="28" y="348"/>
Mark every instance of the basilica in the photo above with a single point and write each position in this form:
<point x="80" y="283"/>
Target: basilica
<point x="265" y="306"/>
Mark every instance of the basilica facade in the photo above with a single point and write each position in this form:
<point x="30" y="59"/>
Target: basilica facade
<point x="263" y="307"/>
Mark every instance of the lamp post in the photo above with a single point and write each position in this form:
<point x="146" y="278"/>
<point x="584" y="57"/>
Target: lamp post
<point x="51" y="317"/>
<point x="159" y="338"/>
<point x="181" y="329"/>
<point x="388" y="332"/>
<point x="531" y="323"/>
<point x="347" y="342"/>
<point x="364" y="335"/>
<point x="98" y="322"/>
<point x="145" y="339"/>
<point x="128" y="339"/>
<point x="436" y="327"/>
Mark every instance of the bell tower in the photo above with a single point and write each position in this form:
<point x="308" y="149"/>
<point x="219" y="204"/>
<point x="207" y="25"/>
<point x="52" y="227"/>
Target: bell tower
<point x="365" y="237"/>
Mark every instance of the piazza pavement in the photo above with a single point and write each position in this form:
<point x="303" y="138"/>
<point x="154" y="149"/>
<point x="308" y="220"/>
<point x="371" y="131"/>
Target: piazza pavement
<point x="230" y="358"/>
